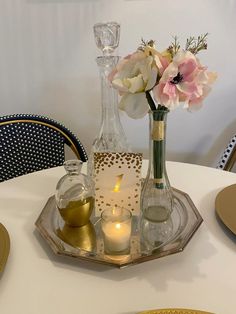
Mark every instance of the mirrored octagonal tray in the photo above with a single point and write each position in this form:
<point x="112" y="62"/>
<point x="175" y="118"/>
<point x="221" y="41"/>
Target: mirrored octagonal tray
<point x="86" y="243"/>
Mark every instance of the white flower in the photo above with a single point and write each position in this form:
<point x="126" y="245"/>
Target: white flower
<point x="133" y="76"/>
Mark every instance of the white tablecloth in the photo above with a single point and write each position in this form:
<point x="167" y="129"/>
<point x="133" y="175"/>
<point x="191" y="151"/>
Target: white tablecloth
<point x="36" y="281"/>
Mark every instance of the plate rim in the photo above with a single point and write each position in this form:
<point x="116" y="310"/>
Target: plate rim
<point x="5" y="241"/>
<point x="219" y="212"/>
<point x="175" y="311"/>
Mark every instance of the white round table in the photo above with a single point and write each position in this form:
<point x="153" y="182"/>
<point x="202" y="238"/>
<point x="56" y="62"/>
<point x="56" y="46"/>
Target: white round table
<point x="36" y="281"/>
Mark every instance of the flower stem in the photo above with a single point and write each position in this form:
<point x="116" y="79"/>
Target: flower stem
<point x="158" y="145"/>
<point x="159" y="149"/>
<point x="150" y="101"/>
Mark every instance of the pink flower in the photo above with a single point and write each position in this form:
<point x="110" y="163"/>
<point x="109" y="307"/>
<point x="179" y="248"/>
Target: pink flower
<point x="184" y="80"/>
<point x="195" y="102"/>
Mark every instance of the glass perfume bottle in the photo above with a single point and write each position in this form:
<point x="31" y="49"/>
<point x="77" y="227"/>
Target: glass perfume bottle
<point x="111" y="137"/>
<point x="75" y="195"/>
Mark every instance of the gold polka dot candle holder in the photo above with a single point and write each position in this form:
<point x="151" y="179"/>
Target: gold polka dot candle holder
<point x="117" y="181"/>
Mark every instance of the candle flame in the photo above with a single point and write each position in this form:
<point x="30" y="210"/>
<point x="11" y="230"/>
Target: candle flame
<point x="118" y="226"/>
<point x="118" y="183"/>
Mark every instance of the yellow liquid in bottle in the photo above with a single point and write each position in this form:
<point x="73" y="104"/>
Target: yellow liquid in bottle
<point x="77" y="213"/>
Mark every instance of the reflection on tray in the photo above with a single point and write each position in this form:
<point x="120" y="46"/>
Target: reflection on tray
<point x="87" y="242"/>
<point x="79" y="237"/>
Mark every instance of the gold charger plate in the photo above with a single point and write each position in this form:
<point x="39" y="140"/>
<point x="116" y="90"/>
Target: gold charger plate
<point x="225" y="205"/>
<point x="4" y="247"/>
<point x="174" y="311"/>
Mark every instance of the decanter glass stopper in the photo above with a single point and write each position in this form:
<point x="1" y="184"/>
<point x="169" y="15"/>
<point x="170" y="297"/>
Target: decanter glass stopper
<point x="73" y="166"/>
<point x="107" y="36"/>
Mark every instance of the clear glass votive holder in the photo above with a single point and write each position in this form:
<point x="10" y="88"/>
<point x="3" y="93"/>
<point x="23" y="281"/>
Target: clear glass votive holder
<point x="116" y="230"/>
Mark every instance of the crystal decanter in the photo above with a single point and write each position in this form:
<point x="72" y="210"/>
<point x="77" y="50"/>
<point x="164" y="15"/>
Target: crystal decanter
<point x="111" y="137"/>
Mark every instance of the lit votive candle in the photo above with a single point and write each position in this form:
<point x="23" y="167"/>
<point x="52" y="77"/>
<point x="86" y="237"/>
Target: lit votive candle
<point x="116" y="228"/>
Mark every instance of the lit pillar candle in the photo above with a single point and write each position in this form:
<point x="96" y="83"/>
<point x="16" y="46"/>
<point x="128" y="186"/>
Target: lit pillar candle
<point x="116" y="228"/>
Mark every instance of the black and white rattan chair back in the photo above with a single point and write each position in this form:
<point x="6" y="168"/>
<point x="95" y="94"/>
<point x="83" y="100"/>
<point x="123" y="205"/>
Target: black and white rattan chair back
<point x="228" y="158"/>
<point x="30" y="143"/>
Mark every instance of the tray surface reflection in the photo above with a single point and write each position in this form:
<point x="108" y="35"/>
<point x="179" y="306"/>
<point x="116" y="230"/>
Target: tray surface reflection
<point x="87" y="243"/>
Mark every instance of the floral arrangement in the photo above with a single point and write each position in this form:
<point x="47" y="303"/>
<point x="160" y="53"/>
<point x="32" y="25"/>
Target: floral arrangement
<point x="148" y="80"/>
<point x="148" y="77"/>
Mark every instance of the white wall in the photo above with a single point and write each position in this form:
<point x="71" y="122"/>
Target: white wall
<point x="47" y="65"/>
